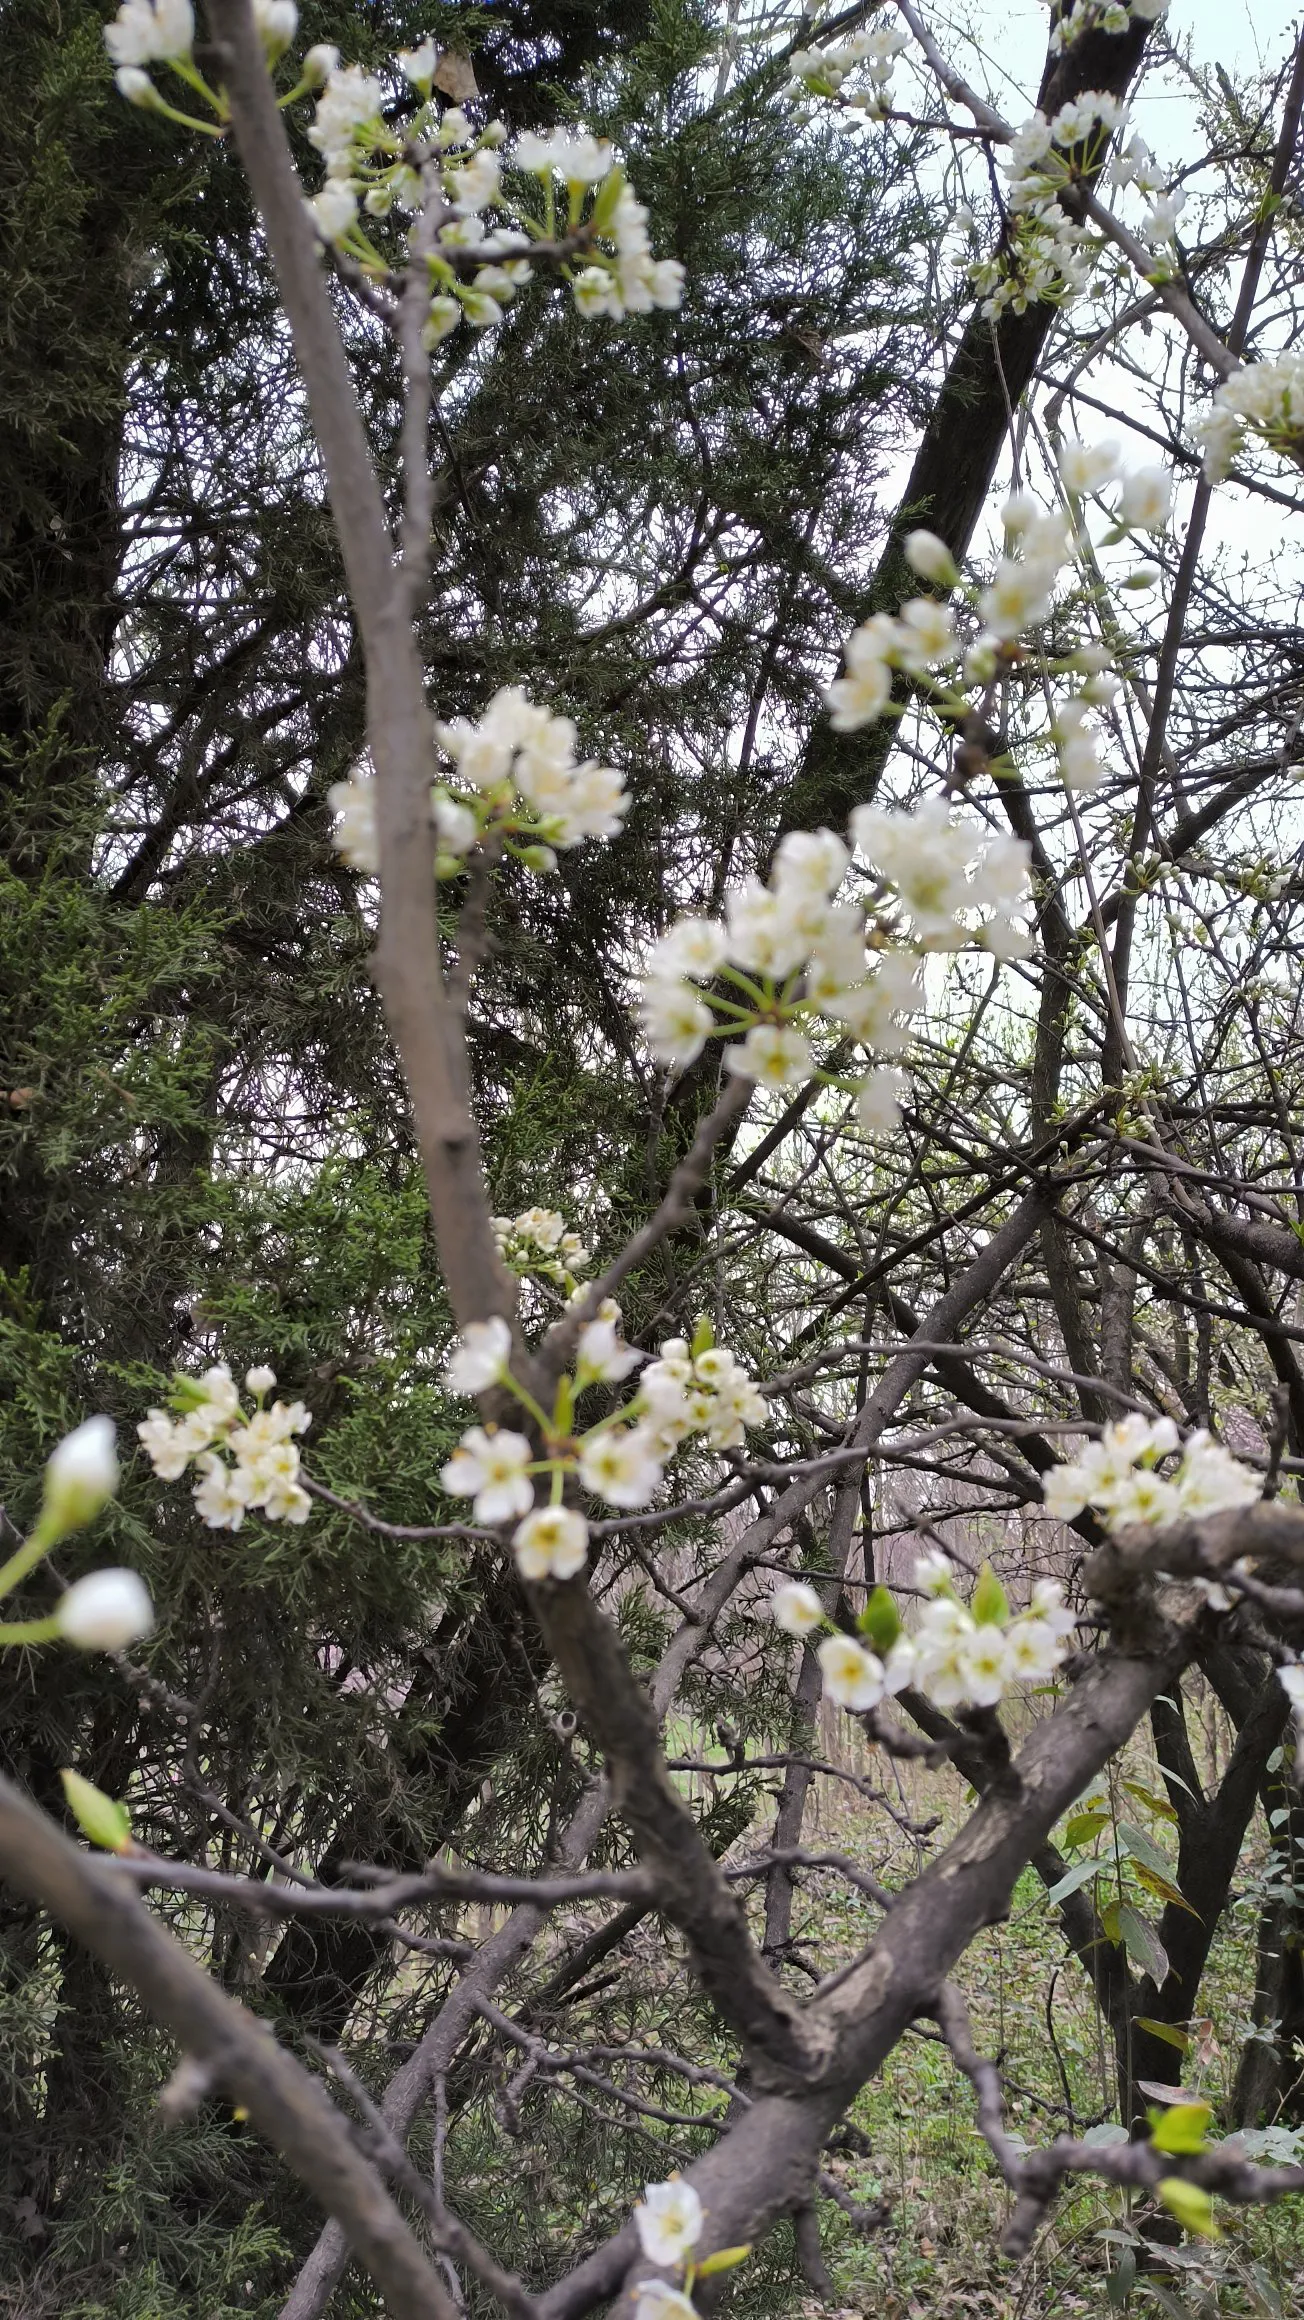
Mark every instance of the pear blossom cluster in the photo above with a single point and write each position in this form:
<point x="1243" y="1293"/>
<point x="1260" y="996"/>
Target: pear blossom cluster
<point x="864" y="60"/>
<point x="377" y="167"/>
<point x="538" y="1242"/>
<point x="1048" y="259"/>
<point x="1117" y="1477"/>
<point x="242" y="1458"/>
<point x="517" y="778"/>
<point x="368" y="162"/>
<point x="1261" y="399"/>
<point x="1102" y="16"/>
<point x="150" y="32"/>
<point x="959" y="1656"/>
<point x="698" y="1389"/>
<point x="789" y="958"/>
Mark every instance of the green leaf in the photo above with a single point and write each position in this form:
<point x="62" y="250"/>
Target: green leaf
<point x="1142" y="1943"/>
<point x="1192" y="2207"/>
<point x="703" y="1336"/>
<point x="723" y="2260"/>
<point x="1081" y="1875"/>
<point x="608" y="195"/>
<point x="1084" y="1827"/>
<point x="991" y="1604"/>
<point x="1109" y="1917"/>
<point x="1182" y="2131"/>
<point x="1153" y="1803"/>
<point x="1143" y="1848"/>
<point x="880" y="1620"/>
<point x="1121" y="2281"/>
<point x="1168" y="2031"/>
<point x="99" y="1817"/>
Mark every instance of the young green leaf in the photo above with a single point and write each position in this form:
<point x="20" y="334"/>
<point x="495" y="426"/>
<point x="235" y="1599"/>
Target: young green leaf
<point x="723" y="2260"/>
<point x="1182" y="2131"/>
<point x="99" y="1817"/>
<point x="991" y="1604"/>
<point x="880" y="1620"/>
<point x="1192" y="2207"/>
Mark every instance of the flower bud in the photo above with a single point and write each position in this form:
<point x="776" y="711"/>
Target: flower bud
<point x="277" y="21"/>
<point x="105" y="1611"/>
<point x="134" y="83"/>
<point x="319" y="63"/>
<point x="80" y="1477"/>
<point x="931" y="559"/>
<point x="259" y="1381"/>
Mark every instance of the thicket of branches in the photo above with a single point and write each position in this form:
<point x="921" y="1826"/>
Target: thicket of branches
<point x="520" y="1872"/>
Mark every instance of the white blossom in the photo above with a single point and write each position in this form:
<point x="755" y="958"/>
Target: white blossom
<point x="333" y="211"/>
<point x="657" y="2300"/>
<point x="1146" y="499"/>
<point x="150" y="31"/>
<point x="418" y="64"/>
<point x="879" y="1099"/>
<point x="479" y="1358"/>
<point x="621" y="1464"/>
<point x="669" y="2221"/>
<point x="489" y="1466"/>
<point x="852" y="1675"/>
<point x="353" y="802"/>
<point x="796" y="1608"/>
<point x="551" y="1543"/>
<point x="773" y="1054"/>
<point x="603" y="1356"/>
<point x="675" y="1021"/>
<point x="1087" y="467"/>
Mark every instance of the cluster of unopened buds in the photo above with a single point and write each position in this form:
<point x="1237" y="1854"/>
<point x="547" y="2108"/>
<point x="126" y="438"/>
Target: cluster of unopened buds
<point x="517" y="782"/>
<point x="243" y="1459"/>
<point x="857" y="70"/>
<point x="1117" y="1477"/>
<point x="958" y="1656"/>
<point x="698" y="1389"/>
<point x="670" y="2220"/>
<point x="596" y="232"/>
<point x="537" y="1242"/>
<point x="1261" y="399"/>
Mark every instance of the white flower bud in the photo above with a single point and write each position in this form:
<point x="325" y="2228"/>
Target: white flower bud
<point x="80" y="1477"/>
<point x="277" y="21"/>
<point x="105" y="1611"/>
<point x="259" y="1381"/>
<point x="930" y="557"/>
<point x="320" y="63"/>
<point x="134" y="83"/>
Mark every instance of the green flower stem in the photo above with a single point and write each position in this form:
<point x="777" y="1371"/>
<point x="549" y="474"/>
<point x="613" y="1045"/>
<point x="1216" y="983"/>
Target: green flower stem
<point x="25" y="1558"/>
<point x="29" y="1631"/>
